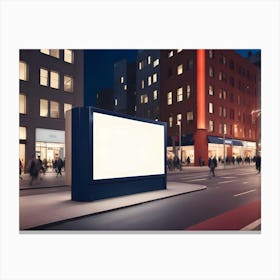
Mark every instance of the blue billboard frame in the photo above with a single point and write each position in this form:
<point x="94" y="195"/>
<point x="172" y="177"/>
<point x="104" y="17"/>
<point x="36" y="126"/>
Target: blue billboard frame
<point x="83" y="186"/>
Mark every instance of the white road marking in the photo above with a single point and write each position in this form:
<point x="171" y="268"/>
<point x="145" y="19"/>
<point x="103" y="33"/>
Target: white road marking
<point x="224" y="182"/>
<point x="201" y="179"/>
<point x="253" y="225"/>
<point x="245" y="192"/>
<point x="228" y="177"/>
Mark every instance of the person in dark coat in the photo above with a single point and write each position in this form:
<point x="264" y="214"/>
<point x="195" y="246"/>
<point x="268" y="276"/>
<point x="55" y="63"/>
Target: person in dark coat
<point x="258" y="163"/>
<point x="212" y="164"/>
<point x="20" y="169"/>
<point x="33" y="170"/>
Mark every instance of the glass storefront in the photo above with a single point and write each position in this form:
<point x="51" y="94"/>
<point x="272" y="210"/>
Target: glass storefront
<point x="49" y="144"/>
<point x="248" y="149"/>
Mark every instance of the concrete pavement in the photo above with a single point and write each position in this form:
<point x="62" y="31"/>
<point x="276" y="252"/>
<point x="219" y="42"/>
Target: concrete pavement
<point x="40" y="209"/>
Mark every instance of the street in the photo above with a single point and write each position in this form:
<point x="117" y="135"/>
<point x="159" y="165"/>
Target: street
<point x="231" y="196"/>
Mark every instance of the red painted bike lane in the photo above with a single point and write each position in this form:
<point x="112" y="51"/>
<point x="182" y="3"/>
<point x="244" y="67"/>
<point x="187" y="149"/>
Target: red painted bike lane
<point x="234" y="219"/>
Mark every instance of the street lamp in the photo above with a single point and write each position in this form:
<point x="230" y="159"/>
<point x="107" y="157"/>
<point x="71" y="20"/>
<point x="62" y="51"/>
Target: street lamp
<point x="180" y="131"/>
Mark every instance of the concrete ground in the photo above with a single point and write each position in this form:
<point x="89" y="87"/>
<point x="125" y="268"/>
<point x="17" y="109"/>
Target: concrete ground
<point x="40" y="209"/>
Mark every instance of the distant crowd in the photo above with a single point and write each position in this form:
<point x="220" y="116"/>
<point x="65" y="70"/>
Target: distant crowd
<point x="173" y="162"/>
<point x="36" y="166"/>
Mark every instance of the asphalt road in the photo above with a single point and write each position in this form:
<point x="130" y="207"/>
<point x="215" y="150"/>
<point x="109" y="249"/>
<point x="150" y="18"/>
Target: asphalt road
<point x="229" y="189"/>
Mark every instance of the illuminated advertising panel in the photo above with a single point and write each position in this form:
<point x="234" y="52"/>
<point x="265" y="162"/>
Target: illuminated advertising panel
<point x="125" y="147"/>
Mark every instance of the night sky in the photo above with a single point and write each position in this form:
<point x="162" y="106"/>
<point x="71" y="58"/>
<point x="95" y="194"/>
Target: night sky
<point x="99" y="65"/>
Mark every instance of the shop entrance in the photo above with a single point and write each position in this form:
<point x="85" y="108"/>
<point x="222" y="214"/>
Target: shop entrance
<point x="48" y="151"/>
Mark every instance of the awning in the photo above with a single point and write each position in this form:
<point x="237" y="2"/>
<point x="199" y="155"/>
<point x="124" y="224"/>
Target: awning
<point x="220" y="140"/>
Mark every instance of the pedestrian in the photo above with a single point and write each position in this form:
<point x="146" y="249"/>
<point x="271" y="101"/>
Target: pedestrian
<point x="59" y="165"/>
<point x="40" y="166"/>
<point x="212" y="164"/>
<point x="258" y="163"/>
<point x="20" y="169"/>
<point x="33" y="169"/>
<point x="188" y="160"/>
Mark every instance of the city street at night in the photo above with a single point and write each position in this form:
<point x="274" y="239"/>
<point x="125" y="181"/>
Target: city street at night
<point x="231" y="201"/>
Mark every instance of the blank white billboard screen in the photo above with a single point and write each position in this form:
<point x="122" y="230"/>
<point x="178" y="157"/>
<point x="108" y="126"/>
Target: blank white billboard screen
<point x="126" y="148"/>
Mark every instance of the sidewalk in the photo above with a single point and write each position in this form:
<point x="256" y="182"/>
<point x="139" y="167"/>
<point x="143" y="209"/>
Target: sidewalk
<point x="44" y="181"/>
<point x="41" y="209"/>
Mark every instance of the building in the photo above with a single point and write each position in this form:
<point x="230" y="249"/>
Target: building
<point x="105" y="99"/>
<point x="148" y="84"/>
<point x="51" y="82"/>
<point x="207" y="99"/>
<point x="124" y="87"/>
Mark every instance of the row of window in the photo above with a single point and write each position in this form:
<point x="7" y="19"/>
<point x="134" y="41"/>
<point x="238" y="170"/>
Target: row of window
<point x="172" y="53"/>
<point x="48" y="108"/>
<point x="49" y="78"/>
<point x="234" y="130"/>
<point x="68" y="54"/>
<point x="240" y="69"/>
<point x="150" y="80"/>
<point x="148" y="61"/>
<point x="179" y="94"/>
<point x="144" y="98"/>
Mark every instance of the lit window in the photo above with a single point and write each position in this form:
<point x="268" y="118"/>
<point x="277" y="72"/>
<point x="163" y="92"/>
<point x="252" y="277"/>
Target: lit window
<point x="149" y="80"/>
<point x="224" y="94"/>
<point x="125" y="87"/>
<point x="54" y="53"/>
<point x="44" y="77"/>
<point x="154" y="77"/>
<point x="211" y="90"/>
<point x="68" y="83"/>
<point x="155" y="94"/>
<point x="211" y="54"/>
<point x="188" y="91"/>
<point x="149" y="59"/>
<point x="142" y="84"/>
<point x="170" y="54"/>
<point x="140" y="65"/>
<point x="189" y="116"/>
<point x="23" y="71"/>
<point x="211" y="72"/>
<point x="180" y="69"/>
<point x="178" y="51"/>
<point x="22" y="103"/>
<point x="156" y="62"/>
<point x="116" y="102"/>
<point x="44" y="110"/>
<point x="220" y="128"/>
<point x="122" y="79"/>
<point x="45" y="51"/>
<point x="22" y="133"/>
<point x="225" y="129"/>
<point x="67" y="107"/>
<point x="225" y="112"/>
<point x="69" y="56"/>
<point x="221" y="94"/>
<point x="54" y="79"/>
<point x="211" y="125"/>
<point x="211" y="108"/>
<point x="144" y="98"/>
<point x="180" y="94"/>
<point x="179" y="119"/>
<point x="170" y="121"/>
<point x="54" y="109"/>
<point x="169" y="98"/>
<point x="220" y="111"/>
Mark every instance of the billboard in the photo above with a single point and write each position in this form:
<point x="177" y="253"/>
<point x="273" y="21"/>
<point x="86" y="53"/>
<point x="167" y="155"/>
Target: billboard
<point x="125" y="147"/>
<point x="113" y="154"/>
